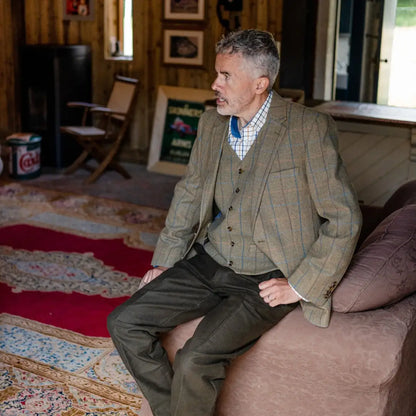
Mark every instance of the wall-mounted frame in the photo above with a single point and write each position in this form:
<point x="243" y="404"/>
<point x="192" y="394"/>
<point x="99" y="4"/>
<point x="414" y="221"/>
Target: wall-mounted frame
<point x="174" y="128"/>
<point x="184" y="10"/>
<point x="183" y="47"/>
<point x="78" y="9"/>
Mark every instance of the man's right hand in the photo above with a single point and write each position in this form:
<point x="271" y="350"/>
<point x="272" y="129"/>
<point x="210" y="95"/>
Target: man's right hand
<point x="151" y="274"/>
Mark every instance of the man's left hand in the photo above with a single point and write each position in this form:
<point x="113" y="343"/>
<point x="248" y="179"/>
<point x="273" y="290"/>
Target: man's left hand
<point x="277" y="291"/>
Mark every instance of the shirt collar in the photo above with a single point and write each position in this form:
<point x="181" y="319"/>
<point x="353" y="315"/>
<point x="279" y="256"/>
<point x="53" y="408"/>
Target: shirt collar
<point x="256" y="122"/>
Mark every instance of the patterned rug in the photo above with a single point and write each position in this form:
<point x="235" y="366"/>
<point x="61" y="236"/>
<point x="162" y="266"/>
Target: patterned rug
<point x="46" y="370"/>
<point x="66" y="261"/>
<point x="82" y="215"/>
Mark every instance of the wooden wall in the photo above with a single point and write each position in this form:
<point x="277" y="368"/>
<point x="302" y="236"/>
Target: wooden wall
<point x="44" y="24"/>
<point x="10" y="36"/>
<point x="378" y="158"/>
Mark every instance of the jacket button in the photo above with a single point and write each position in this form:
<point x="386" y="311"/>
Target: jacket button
<point x="237" y="190"/>
<point x="230" y="208"/>
<point x="229" y="228"/>
<point x="240" y="171"/>
<point x="232" y="244"/>
<point x="230" y="263"/>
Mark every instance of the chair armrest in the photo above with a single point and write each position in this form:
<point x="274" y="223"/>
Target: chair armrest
<point x="107" y="111"/>
<point x="88" y="107"/>
<point x="82" y="104"/>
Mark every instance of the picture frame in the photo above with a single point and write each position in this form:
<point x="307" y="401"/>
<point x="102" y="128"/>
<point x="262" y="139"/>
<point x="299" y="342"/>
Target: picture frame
<point x="184" y="9"/>
<point x="183" y="47"/>
<point x="174" y="127"/>
<point x="78" y="10"/>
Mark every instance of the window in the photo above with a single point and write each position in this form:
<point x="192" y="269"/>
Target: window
<point x="118" y="27"/>
<point x="402" y="86"/>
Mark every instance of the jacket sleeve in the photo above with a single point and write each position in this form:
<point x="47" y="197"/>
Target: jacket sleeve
<point x="334" y="198"/>
<point x="184" y="211"/>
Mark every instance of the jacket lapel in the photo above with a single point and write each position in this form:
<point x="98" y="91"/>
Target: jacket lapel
<point x="271" y="135"/>
<point x="218" y="138"/>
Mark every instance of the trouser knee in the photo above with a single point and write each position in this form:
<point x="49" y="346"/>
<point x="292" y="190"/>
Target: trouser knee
<point x="185" y="362"/>
<point x="112" y="322"/>
<point x="128" y="332"/>
<point x="191" y="363"/>
<point x="114" y="326"/>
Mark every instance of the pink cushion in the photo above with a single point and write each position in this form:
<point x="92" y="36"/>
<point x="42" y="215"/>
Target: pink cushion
<point x="405" y="195"/>
<point x="383" y="271"/>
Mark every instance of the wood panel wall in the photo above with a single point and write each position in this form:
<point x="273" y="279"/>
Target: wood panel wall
<point x="44" y="24"/>
<point x="378" y="158"/>
<point x="11" y="34"/>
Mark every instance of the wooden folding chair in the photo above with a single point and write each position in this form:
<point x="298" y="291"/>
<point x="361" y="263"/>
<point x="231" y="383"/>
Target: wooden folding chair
<point x="102" y="142"/>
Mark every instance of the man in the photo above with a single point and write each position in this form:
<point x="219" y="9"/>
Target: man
<point x="264" y="217"/>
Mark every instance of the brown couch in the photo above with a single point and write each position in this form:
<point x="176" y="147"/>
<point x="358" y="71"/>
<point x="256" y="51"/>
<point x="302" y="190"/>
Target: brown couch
<point x="364" y="363"/>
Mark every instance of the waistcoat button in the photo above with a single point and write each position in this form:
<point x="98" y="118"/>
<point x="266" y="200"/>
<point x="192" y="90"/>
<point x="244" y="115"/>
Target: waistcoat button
<point x="237" y="190"/>
<point x="229" y="228"/>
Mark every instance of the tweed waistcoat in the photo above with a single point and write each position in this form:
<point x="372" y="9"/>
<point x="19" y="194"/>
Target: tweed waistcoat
<point x="231" y="233"/>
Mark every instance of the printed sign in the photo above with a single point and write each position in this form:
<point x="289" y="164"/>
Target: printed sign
<point x="181" y="125"/>
<point x="175" y="125"/>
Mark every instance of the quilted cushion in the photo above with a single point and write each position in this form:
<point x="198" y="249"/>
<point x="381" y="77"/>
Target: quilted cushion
<point x="405" y="195"/>
<point x="383" y="271"/>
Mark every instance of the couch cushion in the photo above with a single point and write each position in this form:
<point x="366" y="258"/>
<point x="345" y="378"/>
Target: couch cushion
<point x="405" y="195"/>
<point x="383" y="271"/>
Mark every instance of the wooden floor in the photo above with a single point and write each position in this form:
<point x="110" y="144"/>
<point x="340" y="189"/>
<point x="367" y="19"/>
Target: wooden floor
<point x="144" y="188"/>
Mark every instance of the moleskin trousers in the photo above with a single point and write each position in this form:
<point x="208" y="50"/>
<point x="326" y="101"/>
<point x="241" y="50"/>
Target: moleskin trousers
<point x="235" y="317"/>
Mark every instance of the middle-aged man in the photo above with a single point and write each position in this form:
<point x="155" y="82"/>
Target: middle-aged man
<point x="264" y="217"/>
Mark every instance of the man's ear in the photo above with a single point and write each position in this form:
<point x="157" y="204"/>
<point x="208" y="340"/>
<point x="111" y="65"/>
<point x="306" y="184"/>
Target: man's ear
<point x="262" y="84"/>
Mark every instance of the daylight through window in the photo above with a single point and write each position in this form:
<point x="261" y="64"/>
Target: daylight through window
<point x="118" y="29"/>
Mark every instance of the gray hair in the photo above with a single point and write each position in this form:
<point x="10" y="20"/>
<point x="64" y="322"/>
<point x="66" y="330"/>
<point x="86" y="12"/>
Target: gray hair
<point x="257" y="46"/>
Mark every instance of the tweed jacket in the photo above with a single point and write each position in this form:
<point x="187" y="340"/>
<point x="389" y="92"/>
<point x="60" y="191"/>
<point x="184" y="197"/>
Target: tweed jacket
<point x="307" y="218"/>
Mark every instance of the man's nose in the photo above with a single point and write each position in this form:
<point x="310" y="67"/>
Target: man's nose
<point x="215" y="85"/>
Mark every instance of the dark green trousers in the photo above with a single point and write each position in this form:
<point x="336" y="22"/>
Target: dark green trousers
<point x="235" y="317"/>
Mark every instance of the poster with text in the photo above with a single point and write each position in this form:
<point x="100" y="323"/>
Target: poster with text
<point x="180" y="130"/>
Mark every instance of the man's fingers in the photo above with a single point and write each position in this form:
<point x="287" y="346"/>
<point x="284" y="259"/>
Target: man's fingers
<point x="151" y="275"/>
<point x="277" y="291"/>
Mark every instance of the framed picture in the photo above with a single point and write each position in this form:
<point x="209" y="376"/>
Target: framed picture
<point x="184" y="9"/>
<point x="183" y="47"/>
<point x="78" y="9"/>
<point x="175" y="125"/>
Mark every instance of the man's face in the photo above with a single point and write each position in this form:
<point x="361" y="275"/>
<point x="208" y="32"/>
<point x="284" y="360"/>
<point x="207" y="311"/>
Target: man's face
<point x="235" y="87"/>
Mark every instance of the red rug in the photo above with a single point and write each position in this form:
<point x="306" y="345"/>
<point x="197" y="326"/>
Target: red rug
<point x="66" y="261"/>
<point x="75" y="311"/>
<point x="77" y="302"/>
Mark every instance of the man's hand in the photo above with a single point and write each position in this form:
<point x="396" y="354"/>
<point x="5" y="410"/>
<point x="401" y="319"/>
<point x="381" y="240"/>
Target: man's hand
<point x="151" y="274"/>
<point x="278" y="292"/>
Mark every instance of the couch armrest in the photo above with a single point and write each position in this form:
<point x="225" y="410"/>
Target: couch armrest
<point x="297" y="368"/>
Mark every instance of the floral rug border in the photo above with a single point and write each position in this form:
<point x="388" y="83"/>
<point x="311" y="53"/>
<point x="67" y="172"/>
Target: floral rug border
<point x="66" y="378"/>
<point x="83" y="215"/>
